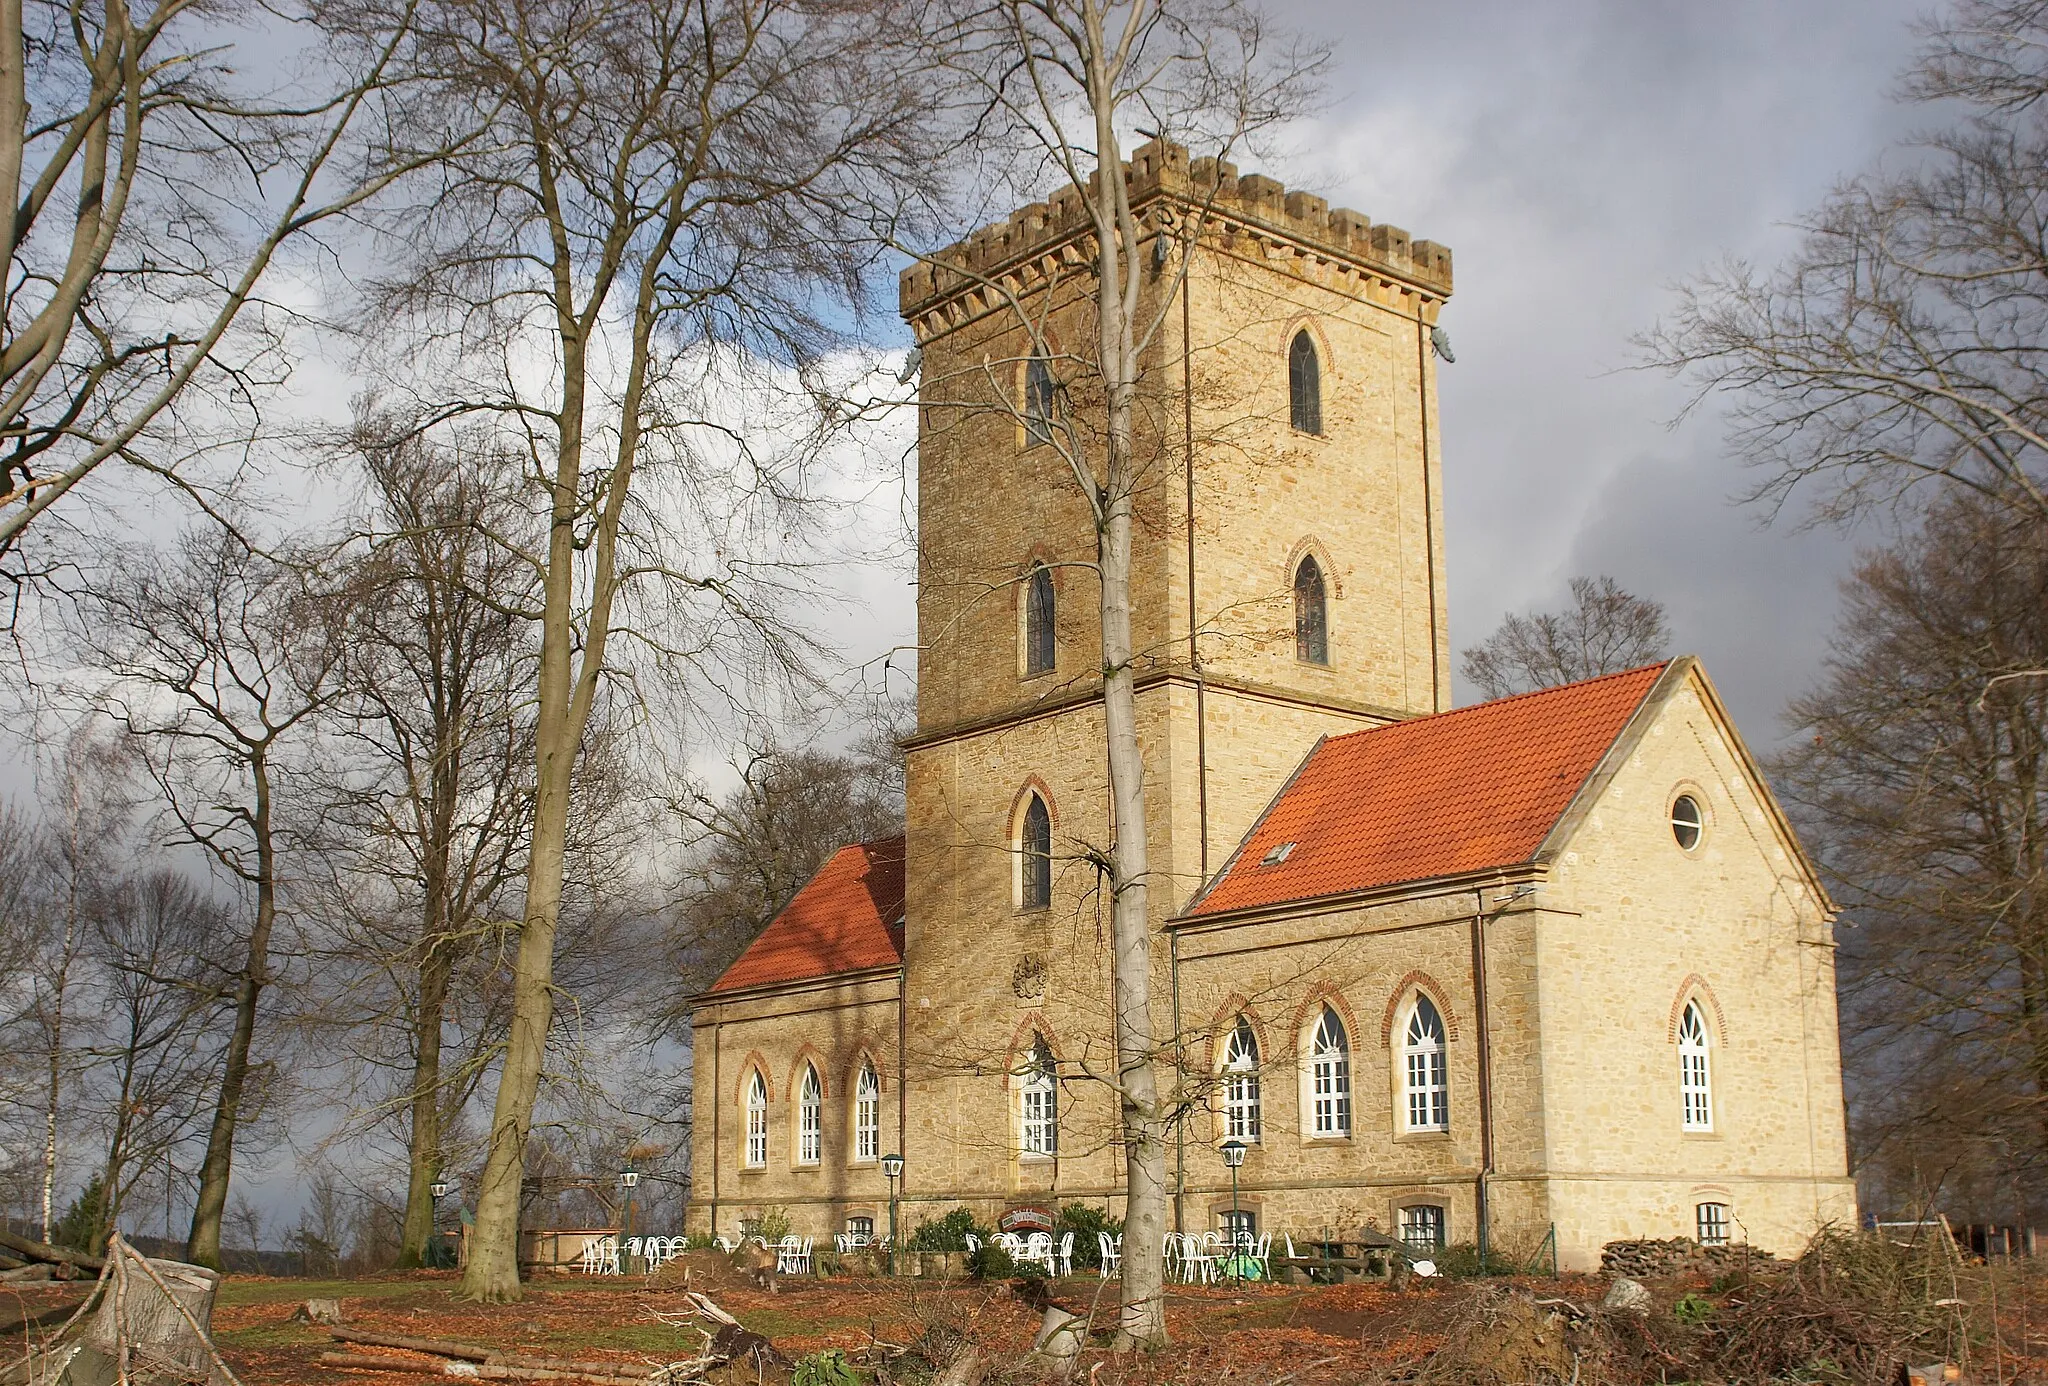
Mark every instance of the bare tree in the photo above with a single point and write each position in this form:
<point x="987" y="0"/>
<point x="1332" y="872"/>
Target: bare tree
<point x="214" y="655"/>
<point x="656" y="194"/>
<point x="153" y="1051"/>
<point x="425" y="829"/>
<point x="152" y="192"/>
<point x="1065" y="83"/>
<point x="1921" y="773"/>
<point x="1606" y="630"/>
<point x="1900" y="343"/>
<point x="755" y="846"/>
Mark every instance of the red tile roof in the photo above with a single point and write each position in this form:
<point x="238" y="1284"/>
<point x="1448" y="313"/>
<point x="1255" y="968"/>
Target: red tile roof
<point x="847" y="918"/>
<point x="1437" y="796"/>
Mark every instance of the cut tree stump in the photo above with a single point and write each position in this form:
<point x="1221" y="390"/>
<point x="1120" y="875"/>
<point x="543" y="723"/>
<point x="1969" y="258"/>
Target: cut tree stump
<point x="153" y="1319"/>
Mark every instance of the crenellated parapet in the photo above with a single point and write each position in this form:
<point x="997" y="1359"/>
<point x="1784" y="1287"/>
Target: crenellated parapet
<point x="1169" y="192"/>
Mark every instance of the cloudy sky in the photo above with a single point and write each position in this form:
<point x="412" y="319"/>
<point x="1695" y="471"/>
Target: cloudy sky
<point x="1579" y="159"/>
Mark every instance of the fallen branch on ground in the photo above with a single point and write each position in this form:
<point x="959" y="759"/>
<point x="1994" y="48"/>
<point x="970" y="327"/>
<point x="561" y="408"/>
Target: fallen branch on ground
<point x="53" y="1255"/>
<point x="439" y="1347"/>
<point x="488" y="1371"/>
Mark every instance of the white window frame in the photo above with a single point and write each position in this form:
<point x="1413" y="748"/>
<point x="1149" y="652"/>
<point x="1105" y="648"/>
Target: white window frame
<point x="1329" y="1078"/>
<point x="1425" y="1227"/>
<point x="757" y="1122"/>
<point x="1425" y="1069"/>
<point x="1695" y="1070"/>
<point x="810" y="1117"/>
<point x="1710" y="1228"/>
<point x="867" y="1114"/>
<point x="1038" y="1105"/>
<point x="1242" y="1118"/>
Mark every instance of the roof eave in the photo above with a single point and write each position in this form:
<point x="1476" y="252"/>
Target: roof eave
<point x="755" y="990"/>
<point x="1421" y="886"/>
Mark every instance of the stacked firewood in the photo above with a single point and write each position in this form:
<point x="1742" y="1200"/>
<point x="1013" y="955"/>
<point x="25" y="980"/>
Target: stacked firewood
<point x="23" y="1259"/>
<point x="1648" y="1258"/>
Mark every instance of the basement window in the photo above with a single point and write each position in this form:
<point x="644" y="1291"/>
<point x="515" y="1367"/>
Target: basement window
<point x="1276" y="855"/>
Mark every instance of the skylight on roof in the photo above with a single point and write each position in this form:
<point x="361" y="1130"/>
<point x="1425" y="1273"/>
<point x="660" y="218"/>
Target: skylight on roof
<point x="1276" y="855"/>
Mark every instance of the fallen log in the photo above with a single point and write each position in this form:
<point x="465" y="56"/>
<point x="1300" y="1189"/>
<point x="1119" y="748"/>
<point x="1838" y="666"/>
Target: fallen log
<point x="55" y="1255"/>
<point x="631" y="1371"/>
<point x="439" y="1347"/>
<point x="370" y="1361"/>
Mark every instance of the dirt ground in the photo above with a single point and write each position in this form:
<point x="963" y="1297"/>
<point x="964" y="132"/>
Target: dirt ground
<point x="1255" y="1335"/>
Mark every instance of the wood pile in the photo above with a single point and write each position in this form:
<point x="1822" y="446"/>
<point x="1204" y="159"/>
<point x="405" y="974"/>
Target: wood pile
<point x="1650" y="1259"/>
<point x="24" y="1259"/>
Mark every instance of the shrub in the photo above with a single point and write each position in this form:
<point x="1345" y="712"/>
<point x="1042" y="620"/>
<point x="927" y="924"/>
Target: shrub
<point x="771" y="1225"/>
<point x="949" y="1233"/>
<point x="1085" y="1221"/>
<point x="827" y="1368"/>
<point x="991" y="1262"/>
<point x="1462" y="1260"/>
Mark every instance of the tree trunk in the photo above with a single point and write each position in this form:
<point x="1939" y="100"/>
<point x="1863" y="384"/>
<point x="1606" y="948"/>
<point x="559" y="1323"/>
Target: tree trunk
<point x="492" y="1274"/>
<point x="202" y="1244"/>
<point x="425" y="1149"/>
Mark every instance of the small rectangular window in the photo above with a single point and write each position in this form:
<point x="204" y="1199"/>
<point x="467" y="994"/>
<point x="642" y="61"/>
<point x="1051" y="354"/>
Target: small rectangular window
<point x="1710" y="1221"/>
<point x="861" y="1228"/>
<point x="1422" y="1227"/>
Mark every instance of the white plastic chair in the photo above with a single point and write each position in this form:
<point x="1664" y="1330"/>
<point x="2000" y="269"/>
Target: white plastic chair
<point x="724" y="1244"/>
<point x="844" y="1243"/>
<point x="1112" y="1250"/>
<point x="787" y="1252"/>
<point x="592" y="1257"/>
<point x="803" y="1257"/>
<point x="973" y="1243"/>
<point x="608" y="1256"/>
<point x="1066" y="1255"/>
<point x="1011" y="1243"/>
<point x="1039" y="1249"/>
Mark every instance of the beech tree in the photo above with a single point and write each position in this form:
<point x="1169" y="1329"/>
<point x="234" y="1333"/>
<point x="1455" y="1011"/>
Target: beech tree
<point x="646" y="196"/>
<point x="1919" y="770"/>
<point x="1606" y="630"/>
<point x="1062" y="85"/>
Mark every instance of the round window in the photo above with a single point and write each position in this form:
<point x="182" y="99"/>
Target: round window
<point x="1687" y="822"/>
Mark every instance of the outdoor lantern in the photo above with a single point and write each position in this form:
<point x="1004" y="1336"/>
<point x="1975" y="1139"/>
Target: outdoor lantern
<point x="892" y="1165"/>
<point x="439" y="1188"/>
<point x="1233" y="1153"/>
<point x="629" y="1177"/>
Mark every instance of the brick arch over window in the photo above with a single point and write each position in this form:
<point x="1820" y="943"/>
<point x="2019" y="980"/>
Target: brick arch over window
<point x="1225" y="1020"/>
<point x="1326" y="359"/>
<point x="865" y="1053"/>
<point x="1311" y="1009"/>
<point x="1311" y="546"/>
<point x="1031" y="1028"/>
<point x="809" y="1054"/>
<point x="1407" y="986"/>
<point x="755" y="1062"/>
<point x="1032" y="785"/>
<point x="1695" y="988"/>
<point x="1039" y="554"/>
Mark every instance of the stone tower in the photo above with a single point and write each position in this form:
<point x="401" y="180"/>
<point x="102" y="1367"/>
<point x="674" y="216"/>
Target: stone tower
<point x="1242" y="485"/>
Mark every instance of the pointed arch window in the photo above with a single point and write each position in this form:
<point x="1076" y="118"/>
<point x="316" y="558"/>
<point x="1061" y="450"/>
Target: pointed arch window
<point x="757" y="1121"/>
<point x="1034" y="846"/>
<point x="1425" y="1072"/>
<point x="1330" y="1076"/>
<point x="810" y="1118"/>
<point x="1695" y="1076"/>
<point x="1311" y="613"/>
<point x="1304" y="384"/>
<point x="1039" y="1099"/>
<point x="1039" y="609"/>
<point x="1038" y="400"/>
<point x="1241" y="1115"/>
<point x="867" y="1114"/>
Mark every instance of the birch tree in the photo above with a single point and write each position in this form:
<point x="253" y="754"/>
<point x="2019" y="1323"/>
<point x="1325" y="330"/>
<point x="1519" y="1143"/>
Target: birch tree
<point x="1063" y="85"/>
<point x="650" y="199"/>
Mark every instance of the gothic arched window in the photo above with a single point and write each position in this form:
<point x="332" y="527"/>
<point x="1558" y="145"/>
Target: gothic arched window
<point x="867" y="1114"/>
<point x="1241" y="1116"/>
<point x="1311" y="614"/>
<point x="1039" y="609"/>
<point x="757" y="1121"/>
<point x="1037" y="400"/>
<point x="1039" y="1101"/>
<point x="1304" y="384"/>
<point x="810" y="1118"/>
<point x="1034" y="846"/>
<point x="1425" y="1078"/>
<point x="1330" y="1077"/>
<point x="1695" y="1082"/>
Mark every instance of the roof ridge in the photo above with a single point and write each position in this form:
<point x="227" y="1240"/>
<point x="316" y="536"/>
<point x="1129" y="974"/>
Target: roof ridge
<point x="1511" y="698"/>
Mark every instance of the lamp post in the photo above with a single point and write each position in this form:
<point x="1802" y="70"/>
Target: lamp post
<point x="437" y="1191"/>
<point x="629" y="1179"/>
<point x="892" y="1165"/>
<point x="1233" y="1156"/>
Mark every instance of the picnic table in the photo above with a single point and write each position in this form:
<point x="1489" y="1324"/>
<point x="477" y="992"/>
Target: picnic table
<point x="1356" y="1254"/>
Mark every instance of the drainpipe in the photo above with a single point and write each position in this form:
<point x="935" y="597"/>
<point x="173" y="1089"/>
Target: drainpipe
<point x="902" y="1049"/>
<point x="1180" y="1073"/>
<point x="1485" y="1070"/>
<point x="717" y="1106"/>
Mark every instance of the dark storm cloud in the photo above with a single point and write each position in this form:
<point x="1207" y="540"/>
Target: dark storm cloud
<point x="1579" y="160"/>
